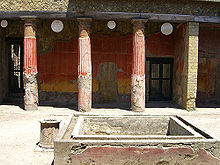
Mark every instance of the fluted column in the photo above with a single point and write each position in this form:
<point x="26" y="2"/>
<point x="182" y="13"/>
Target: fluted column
<point x="84" y="66"/>
<point x="30" y="66"/>
<point x="138" y="67"/>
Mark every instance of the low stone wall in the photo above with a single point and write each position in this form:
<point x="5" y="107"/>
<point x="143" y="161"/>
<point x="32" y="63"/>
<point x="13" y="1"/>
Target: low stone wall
<point x="202" y="149"/>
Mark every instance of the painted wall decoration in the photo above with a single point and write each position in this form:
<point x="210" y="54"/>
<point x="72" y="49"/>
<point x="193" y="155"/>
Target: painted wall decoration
<point x="160" y="45"/>
<point x="111" y="66"/>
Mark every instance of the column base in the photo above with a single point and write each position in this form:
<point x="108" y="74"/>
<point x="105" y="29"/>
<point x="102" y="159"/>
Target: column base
<point x="138" y="93"/>
<point x="31" y="107"/>
<point x="137" y="109"/>
<point x="83" y="109"/>
<point x="85" y="93"/>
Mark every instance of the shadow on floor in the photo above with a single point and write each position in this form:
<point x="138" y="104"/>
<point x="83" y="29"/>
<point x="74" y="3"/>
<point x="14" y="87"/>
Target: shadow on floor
<point x="123" y="106"/>
<point x="162" y="104"/>
<point x="207" y="105"/>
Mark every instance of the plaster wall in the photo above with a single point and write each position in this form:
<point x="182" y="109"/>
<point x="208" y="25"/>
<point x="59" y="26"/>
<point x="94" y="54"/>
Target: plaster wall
<point x="111" y="60"/>
<point x="209" y="61"/>
<point x="158" y="45"/>
<point x="111" y="52"/>
<point x="58" y="63"/>
<point x="189" y="7"/>
<point x="111" y="67"/>
<point x="179" y="52"/>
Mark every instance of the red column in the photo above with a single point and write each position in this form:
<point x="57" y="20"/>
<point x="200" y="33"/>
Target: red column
<point x="84" y="66"/>
<point x="138" y="67"/>
<point x="30" y="66"/>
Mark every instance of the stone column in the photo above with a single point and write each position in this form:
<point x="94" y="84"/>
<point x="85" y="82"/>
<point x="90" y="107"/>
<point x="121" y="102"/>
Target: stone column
<point x="84" y="66"/>
<point x="138" y="67"/>
<point x="191" y="66"/>
<point x="30" y="66"/>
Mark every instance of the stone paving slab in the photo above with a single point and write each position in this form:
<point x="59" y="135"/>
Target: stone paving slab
<point x="20" y="130"/>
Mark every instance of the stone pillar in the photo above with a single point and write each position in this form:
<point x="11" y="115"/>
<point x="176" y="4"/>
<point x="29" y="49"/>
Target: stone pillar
<point x="84" y="66"/>
<point x="138" y="67"/>
<point x="49" y="129"/>
<point x="191" y="66"/>
<point x="30" y="66"/>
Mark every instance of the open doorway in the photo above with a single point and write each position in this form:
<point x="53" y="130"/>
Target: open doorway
<point x="160" y="79"/>
<point x="15" y="55"/>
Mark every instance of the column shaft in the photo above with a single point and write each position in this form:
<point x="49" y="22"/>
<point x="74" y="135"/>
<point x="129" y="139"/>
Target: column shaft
<point x="138" y="67"/>
<point x="191" y="62"/>
<point x="30" y="66"/>
<point x="84" y="67"/>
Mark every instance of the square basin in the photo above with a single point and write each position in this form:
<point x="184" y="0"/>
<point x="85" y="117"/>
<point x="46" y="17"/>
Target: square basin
<point x="132" y="127"/>
<point x="133" y="139"/>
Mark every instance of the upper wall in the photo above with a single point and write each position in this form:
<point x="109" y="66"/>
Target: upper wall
<point x="189" y="7"/>
<point x="160" y="45"/>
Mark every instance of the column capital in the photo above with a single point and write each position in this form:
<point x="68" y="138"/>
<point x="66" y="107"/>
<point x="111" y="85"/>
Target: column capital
<point x="84" y="26"/>
<point x="84" y="19"/>
<point x="138" y="24"/>
<point x="139" y="20"/>
<point x="30" y="27"/>
<point x="32" y="20"/>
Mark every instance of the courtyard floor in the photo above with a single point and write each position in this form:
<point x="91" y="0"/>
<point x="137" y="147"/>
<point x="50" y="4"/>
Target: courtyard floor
<point x="20" y="130"/>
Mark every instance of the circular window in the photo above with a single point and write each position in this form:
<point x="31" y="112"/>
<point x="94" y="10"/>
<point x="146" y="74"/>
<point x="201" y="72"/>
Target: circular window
<point x="166" y="28"/>
<point x="57" y="26"/>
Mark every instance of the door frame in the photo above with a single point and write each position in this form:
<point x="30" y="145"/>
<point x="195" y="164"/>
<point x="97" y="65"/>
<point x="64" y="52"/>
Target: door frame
<point x="155" y="60"/>
<point x="9" y="41"/>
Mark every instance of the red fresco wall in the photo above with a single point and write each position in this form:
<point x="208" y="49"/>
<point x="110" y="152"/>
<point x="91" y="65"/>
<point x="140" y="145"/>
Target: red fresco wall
<point x="160" y="45"/>
<point x="135" y="155"/>
<point x="58" y="67"/>
<point x="209" y="57"/>
<point x="179" y="63"/>
<point x="111" y="54"/>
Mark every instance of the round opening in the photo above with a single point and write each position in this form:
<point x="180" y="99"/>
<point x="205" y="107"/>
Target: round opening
<point x="57" y="26"/>
<point x="4" y="23"/>
<point x="111" y="24"/>
<point x="166" y="28"/>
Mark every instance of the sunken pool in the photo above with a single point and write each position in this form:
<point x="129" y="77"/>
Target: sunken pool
<point x="134" y="139"/>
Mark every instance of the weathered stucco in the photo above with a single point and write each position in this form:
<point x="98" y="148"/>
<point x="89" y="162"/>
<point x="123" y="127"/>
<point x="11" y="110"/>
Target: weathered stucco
<point x="57" y="58"/>
<point x="179" y="64"/>
<point x="109" y="147"/>
<point x="190" y="7"/>
<point x="58" y="61"/>
<point x="29" y="5"/>
<point x="30" y="66"/>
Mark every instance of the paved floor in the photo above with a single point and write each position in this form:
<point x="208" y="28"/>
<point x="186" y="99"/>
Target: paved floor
<point x="20" y="130"/>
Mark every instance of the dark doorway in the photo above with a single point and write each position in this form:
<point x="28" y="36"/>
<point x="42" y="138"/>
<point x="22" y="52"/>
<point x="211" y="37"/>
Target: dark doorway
<point x="15" y="54"/>
<point x="160" y="85"/>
